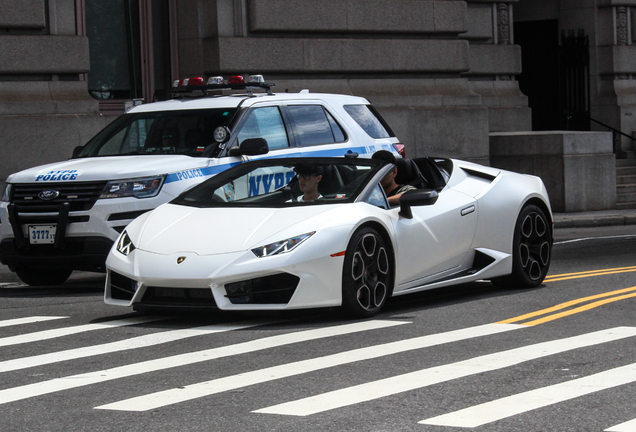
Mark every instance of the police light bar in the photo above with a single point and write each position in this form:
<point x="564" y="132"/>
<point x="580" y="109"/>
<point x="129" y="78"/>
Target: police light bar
<point x="235" y="82"/>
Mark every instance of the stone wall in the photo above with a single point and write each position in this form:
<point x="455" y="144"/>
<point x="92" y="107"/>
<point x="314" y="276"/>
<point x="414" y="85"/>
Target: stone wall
<point x="577" y="168"/>
<point x="45" y="109"/>
<point x="438" y="71"/>
<point x="610" y="25"/>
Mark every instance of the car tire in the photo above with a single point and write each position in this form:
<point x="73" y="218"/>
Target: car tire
<point x="367" y="275"/>
<point x="43" y="277"/>
<point x="532" y="250"/>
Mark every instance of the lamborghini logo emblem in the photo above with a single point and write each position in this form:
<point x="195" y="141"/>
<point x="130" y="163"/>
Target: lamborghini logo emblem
<point x="180" y="260"/>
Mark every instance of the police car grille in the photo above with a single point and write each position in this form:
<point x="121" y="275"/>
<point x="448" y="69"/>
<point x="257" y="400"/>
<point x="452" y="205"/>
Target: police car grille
<point x="80" y="196"/>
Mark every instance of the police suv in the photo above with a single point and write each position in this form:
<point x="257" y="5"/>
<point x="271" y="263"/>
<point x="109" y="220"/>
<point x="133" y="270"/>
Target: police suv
<point x="65" y="216"/>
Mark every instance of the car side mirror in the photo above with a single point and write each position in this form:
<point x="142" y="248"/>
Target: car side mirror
<point x="420" y="197"/>
<point x="251" y="147"/>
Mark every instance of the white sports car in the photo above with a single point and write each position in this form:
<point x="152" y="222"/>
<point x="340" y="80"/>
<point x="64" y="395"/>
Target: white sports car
<point x="245" y="240"/>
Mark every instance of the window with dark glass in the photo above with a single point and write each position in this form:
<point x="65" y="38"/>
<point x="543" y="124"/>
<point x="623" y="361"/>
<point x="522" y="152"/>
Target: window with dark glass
<point x="187" y="132"/>
<point x="116" y="30"/>
<point x="265" y="123"/>
<point x="313" y="125"/>
<point x="370" y="120"/>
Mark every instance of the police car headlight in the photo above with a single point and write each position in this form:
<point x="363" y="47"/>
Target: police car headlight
<point x="7" y="193"/>
<point x="281" y="247"/>
<point x="146" y="187"/>
<point x="124" y="244"/>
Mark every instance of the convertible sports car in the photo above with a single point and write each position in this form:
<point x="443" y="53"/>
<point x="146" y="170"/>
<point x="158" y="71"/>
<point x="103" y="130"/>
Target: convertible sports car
<point x="243" y="240"/>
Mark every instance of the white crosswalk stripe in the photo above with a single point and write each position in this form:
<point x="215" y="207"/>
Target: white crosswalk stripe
<point x="469" y="417"/>
<point x="75" y="381"/>
<point x="127" y="344"/>
<point x="67" y="331"/>
<point x="28" y="320"/>
<point x="427" y="377"/>
<point x="522" y="402"/>
<point x="629" y="426"/>
<point x="172" y="396"/>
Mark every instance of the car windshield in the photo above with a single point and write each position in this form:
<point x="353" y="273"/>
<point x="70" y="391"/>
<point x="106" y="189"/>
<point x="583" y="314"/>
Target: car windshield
<point x="284" y="183"/>
<point x="186" y="132"/>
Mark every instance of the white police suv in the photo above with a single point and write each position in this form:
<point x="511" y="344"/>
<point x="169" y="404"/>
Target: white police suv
<point x="65" y="216"/>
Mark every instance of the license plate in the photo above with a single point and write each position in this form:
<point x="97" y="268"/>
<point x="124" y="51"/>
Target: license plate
<point x="42" y="234"/>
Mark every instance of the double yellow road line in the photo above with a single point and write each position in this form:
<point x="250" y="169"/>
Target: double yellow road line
<point x="579" y="275"/>
<point x="552" y="313"/>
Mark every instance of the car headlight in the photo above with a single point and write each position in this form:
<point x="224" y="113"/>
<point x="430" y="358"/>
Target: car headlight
<point x="124" y="244"/>
<point x="6" y="196"/>
<point x="146" y="187"/>
<point x="281" y="247"/>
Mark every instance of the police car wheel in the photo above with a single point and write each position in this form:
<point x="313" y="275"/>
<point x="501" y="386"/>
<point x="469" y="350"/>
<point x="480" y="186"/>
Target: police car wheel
<point x="43" y="277"/>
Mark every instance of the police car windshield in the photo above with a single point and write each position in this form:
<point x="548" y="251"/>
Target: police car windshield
<point x="284" y="183"/>
<point x="186" y="132"/>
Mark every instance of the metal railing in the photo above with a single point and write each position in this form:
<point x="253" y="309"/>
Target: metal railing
<point x="616" y="134"/>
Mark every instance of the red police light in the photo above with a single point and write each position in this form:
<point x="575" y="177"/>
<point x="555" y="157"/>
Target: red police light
<point x="236" y="79"/>
<point x="196" y="81"/>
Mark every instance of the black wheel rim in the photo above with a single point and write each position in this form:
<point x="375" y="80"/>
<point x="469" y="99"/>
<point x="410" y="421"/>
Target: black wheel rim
<point x="534" y="247"/>
<point x="370" y="272"/>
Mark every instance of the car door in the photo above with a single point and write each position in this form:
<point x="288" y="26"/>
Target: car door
<point x="435" y="242"/>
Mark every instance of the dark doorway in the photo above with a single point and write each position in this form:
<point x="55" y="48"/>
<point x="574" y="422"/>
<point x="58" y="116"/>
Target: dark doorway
<point x="539" y="79"/>
<point x="574" y="82"/>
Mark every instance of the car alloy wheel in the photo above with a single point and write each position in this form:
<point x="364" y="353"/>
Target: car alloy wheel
<point x="534" y="246"/>
<point x="532" y="250"/>
<point x="367" y="274"/>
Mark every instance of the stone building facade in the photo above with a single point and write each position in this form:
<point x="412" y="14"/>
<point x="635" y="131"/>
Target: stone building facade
<point x="610" y="26"/>
<point x="444" y="73"/>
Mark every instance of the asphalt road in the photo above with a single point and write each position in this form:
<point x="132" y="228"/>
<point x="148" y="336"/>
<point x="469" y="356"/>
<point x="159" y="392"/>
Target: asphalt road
<point x="556" y="358"/>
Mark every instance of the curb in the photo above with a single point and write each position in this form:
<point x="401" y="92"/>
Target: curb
<point x="593" y="220"/>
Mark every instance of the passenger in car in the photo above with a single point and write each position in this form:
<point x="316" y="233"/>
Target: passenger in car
<point x="170" y="137"/>
<point x="309" y="176"/>
<point x="392" y="189"/>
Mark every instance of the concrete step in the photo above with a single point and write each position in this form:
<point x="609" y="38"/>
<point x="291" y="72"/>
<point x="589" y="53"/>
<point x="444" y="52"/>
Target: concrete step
<point x="625" y="163"/>
<point x="626" y="170"/>
<point x="626" y="179"/>
<point x="627" y="188"/>
<point x="626" y="205"/>
<point x="626" y="183"/>
<point x="626" y="197"/>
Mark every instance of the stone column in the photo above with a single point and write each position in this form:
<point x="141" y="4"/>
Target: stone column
<point x="494" y="62"/>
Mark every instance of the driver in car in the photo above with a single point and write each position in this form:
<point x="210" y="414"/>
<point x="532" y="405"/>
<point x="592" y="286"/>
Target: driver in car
<point x="309" y="176"/>
<point x="392" y="190"/>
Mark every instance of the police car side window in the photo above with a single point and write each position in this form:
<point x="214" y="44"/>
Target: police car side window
<point x="313" y="125"/>
<point x="338" y="134"/>
<point x="265" y="122"/>
<point x="369" y="120"/>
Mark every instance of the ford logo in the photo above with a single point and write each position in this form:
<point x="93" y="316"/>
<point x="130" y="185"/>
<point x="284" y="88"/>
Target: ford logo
<point x="48" y="194"/>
